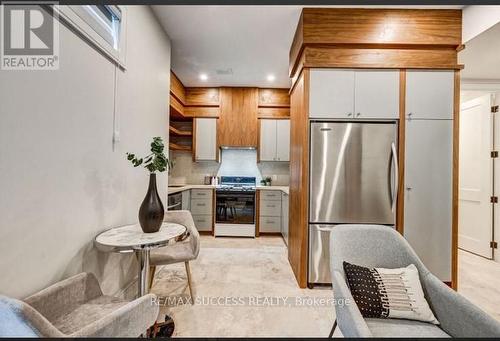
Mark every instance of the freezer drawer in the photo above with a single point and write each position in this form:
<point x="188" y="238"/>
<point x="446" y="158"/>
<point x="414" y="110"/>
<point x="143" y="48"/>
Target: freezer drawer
<point x="319" y="254"/>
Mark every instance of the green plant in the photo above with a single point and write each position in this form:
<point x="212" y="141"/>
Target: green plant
<point x="154" y="162"/>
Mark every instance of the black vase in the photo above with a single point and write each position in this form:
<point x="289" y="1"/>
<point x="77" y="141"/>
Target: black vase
<point x="151" y="212"/>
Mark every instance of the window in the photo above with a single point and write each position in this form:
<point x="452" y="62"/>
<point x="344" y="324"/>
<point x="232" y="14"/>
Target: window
<point x="103" y="25"/>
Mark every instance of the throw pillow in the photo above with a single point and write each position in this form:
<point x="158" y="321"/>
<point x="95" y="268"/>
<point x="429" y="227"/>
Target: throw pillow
<point x="388" y="293"/>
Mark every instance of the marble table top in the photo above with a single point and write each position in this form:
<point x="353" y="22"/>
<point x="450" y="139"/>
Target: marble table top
<point x="131" y="237"/>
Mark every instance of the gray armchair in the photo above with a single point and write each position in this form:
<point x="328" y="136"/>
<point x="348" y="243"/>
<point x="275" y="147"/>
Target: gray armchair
<point x="381" y="246"/>
<point x="76" y="307"/>
<point x="183" y="251"/>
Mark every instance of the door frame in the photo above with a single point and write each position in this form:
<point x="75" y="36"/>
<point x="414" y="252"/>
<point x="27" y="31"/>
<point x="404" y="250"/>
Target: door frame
<point x="471" y="103"/>
<point x="494" y="89"/>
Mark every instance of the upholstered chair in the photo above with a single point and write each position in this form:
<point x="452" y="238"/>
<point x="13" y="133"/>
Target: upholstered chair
<point x="76" y="307"/>
<point x="383" y="247"/>
<point x="182" y="251"/>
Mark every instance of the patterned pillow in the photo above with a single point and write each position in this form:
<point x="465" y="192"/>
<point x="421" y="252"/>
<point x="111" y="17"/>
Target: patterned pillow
<point x="388" y="293"/>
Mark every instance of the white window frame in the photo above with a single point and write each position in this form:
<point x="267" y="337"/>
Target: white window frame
<point x="77" y="19"/>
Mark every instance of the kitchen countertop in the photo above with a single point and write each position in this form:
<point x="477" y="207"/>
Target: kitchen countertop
<point x="284" y="189"/>
<point x="179" y="188"/>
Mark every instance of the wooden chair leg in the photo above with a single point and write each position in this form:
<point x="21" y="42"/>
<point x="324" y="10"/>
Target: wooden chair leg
<point x="188" y="272"/>
<point x="152" y="270"/>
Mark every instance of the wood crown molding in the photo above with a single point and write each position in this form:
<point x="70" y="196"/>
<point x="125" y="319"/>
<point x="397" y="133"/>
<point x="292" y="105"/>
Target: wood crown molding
<point x="324" y="31"/>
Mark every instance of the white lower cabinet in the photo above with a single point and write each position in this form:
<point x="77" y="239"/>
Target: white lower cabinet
<point x="284" y="217"/>
<point x="201" y="207"/>
<point x="428" y="192"/>
<point x="270" y="211"/>
<point x="186" y="200"/>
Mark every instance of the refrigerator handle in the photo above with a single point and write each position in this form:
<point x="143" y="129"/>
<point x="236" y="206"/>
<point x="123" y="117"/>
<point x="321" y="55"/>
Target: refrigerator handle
<point x="396" y="176"/>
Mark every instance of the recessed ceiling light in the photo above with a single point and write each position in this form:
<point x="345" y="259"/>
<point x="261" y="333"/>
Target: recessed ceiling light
<point x="271" y="78"/>
<point x="203" y="76"/>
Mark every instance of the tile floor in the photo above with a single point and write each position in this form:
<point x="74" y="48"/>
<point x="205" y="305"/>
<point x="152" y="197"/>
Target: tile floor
<point x="245" y="287"/>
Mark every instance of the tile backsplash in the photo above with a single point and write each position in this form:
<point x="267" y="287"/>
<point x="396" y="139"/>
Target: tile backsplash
<point x="234" y="162"/>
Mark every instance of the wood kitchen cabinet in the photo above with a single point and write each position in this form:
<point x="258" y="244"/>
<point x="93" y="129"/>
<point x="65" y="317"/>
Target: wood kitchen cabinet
<point x="284" y="217"/>
<point x="274" y="140"/>
<point x="359" y="94"/>
<point x="238" y="124"/>
<point x="205" y="139"/>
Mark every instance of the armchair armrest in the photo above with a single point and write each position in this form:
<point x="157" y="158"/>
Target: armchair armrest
<point x="131" y="320"/>
<point x="457" y="316"/>
<point x="349" y="318"/>
<point x="60" y="297"/>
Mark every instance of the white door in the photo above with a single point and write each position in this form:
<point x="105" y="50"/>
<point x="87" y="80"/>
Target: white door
<point x="475" y="228"/>
<point x="377" y="94"/>
<point x="283" y="140"/>
<point x="206" y="139"/>
<point x="430" y="94"/>
<point x="267" y="140"/>
<point x="331" y="93"/>
<point x="428" y="192"/>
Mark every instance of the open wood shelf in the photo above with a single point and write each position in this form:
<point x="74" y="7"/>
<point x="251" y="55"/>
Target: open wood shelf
<point x="179" y="147"/>
<point x="178" y="132"/>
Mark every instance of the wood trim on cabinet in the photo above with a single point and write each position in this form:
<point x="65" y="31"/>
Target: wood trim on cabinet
<point x="400" y="210"/>
<point x="396" y="29"/>
<point x="204" y="97"/>
<point x="274" y="98"/>
<point x="275" y="113"/>
<point x="257" y="212"/>
<point x="455" y="191"/>
<point x="299" y="169"/>
<point x="362" y="57"/>
<point x="202" y="112"/>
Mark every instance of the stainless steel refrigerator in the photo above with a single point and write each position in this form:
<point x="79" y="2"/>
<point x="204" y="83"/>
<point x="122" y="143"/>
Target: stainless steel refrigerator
<point x="353" y="180"/>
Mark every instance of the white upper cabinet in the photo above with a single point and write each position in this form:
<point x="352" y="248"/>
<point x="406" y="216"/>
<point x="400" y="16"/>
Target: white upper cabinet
<point x="206" y="139"/>
<point x="283" y="140"/>
<point x="338" y="93"/>
<point x="331" y="93"/>
<point x="267" y="140"/>
<point x="274" y="140"/>
<point x="429" y="94"/>
<point x="376" y="94"/>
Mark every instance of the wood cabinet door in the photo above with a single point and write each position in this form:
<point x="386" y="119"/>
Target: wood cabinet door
<point x="283" y="140"/>
<point x="429" y="94"/>
<point x="267" y="140"/>
<point x="376" y="94"/>
<point x="331" y="93"/>
<point x="428" y="192"/>
<point x="206" y="139"/>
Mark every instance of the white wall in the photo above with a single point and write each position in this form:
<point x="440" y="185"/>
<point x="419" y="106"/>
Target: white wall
<point x="61" y="180"/>
<point x="477" y="19"/>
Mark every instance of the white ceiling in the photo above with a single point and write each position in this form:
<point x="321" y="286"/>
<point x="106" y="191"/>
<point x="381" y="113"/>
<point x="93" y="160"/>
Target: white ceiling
<point x="481" y="56"/>
<point x="252" y="41"/>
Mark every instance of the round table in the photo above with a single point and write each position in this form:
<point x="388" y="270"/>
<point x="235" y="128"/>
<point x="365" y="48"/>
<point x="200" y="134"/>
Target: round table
<point x="131" y="238"/>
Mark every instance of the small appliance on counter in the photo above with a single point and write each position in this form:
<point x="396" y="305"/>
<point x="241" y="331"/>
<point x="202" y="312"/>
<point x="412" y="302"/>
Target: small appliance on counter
<point x="235" y="207"/>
